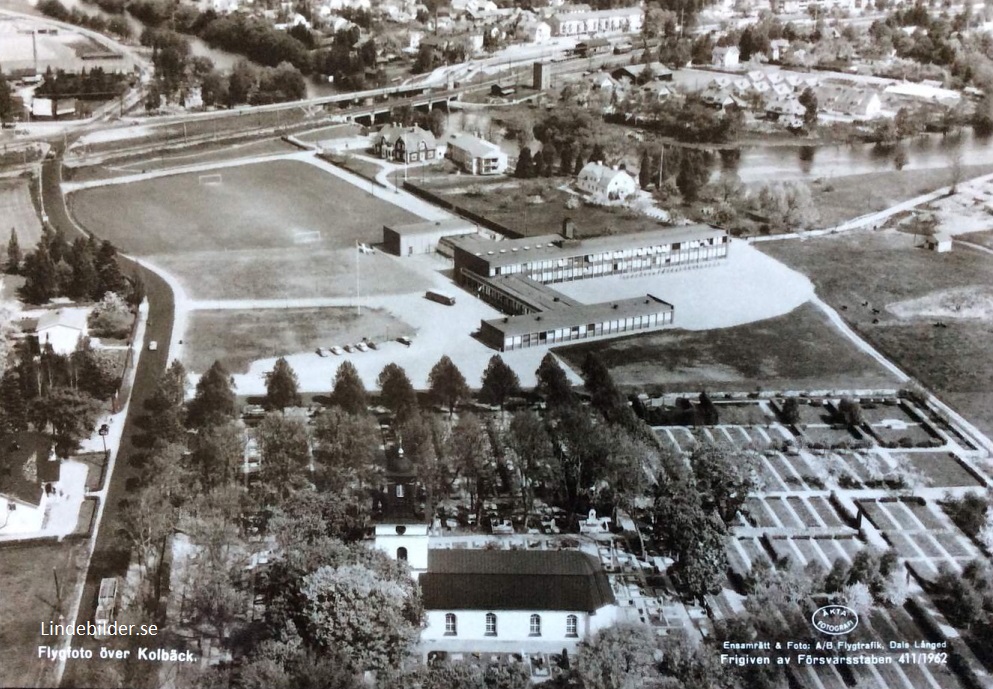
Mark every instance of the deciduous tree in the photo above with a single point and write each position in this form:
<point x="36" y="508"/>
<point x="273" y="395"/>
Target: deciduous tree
<point x="397" y="392"/>
<point x="214" y="400"/>
<point x="348" y="391"/>
<point x="499" y="383"/>
<point x="282" y="386"/>
<point x="447" y="384"/>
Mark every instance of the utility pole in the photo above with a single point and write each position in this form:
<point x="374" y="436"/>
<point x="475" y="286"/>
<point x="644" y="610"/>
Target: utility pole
<point x="358" y="304"/>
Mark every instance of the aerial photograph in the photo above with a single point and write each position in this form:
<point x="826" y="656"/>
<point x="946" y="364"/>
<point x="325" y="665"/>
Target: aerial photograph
<point x="496" y="344"/>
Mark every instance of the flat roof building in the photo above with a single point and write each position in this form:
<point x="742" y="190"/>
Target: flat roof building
<point x="579" y="322"/>
<point x="422" y="237"/>
<point x="553" y="258"/>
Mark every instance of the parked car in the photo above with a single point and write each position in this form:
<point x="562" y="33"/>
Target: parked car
<point x="372" y="345"/>
<point x="153" y="346"/>
<point x="440" y="297"/>
<point x="321" y="351"/>
<point x="405" y="340"/>
<point x="349" y="348"/>
<point x="361" y="346"/>
<point x="337" y="351"/>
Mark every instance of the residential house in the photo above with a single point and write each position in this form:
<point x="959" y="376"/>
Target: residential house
<point x="29" y="480"/>
<point x="849" y="100"/>
<point x="628" y="19"/>
<point x="62" y="329"/>
<point x="476" y="156"/>
<point x="633" y="73"/>
<point x="537" y="32"/>
<point x="778" y="49"/>
<point x="609" y="182"/>
<point x="656" y="90"/>
<point x="405" y="144"/>
<point x="786" y="110"/>
<point x="721" y="98"/>
<point x="725" y="57"/>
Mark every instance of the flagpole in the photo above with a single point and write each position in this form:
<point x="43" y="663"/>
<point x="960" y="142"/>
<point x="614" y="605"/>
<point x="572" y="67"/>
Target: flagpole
<point x="358" y="305"/>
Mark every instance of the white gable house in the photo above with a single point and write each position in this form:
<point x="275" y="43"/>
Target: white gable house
<point x="596" y="178"/>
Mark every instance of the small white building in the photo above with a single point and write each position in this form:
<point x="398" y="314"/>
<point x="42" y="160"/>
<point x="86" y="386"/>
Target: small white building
<point x="538" y="32"/>
<point x="610" y="182"/>
<point x="476" y="156"/>
<point x="939" y="242"/>
<point x="725" y="57"/>
<point x="594" y="23"/>
<point x="62" y="329"/>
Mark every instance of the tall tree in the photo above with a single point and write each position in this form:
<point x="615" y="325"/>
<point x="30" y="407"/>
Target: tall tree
<point x="284" y="449"/>
<point x="447" y="384"/>
<point x="397" y="392"/>
<point x="604" y="394"/>
<point x="619" y="657"/>
<point x="553" y="384"/>
<point x="71" y="414"/>
<point x="645" y="170"/>
<point x="346" y="446"/>
<point x="282" y="386"/>
<point x="348" y="391"/>
<point x="808" y="99"/>
<point x="367" y="611"/>
<point x="472" y="460"/>
<point x="13" y="254"/>
<point x="214" y="400"/>
<point x="216" y="454"/>
<point x="500" y="383"/>
<point x="724" y="477"/>
<point x="527" y="438"/>
<point x="525" y="164"/>
<point x="41" y="281"/>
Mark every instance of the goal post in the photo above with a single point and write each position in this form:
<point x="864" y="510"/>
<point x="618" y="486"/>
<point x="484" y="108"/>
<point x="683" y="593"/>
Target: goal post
<point x="212" y="179"/>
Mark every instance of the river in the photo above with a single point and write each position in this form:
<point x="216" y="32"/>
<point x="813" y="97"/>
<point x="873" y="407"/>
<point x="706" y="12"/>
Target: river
<point x="759" y="163"/>
<point x="222" y="59"/>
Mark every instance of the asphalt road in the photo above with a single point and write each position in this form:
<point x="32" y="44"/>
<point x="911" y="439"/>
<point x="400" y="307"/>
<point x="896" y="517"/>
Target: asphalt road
<point x="109" y="558"/>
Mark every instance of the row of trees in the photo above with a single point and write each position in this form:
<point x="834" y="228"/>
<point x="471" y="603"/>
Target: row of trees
<point x="84" y="270"/>
<point x="56" y="10"/>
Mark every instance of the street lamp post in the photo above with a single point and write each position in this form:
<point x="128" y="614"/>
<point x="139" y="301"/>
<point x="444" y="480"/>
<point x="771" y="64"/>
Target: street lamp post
<point x="104" y="432"/>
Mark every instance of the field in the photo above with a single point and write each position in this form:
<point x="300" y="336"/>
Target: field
<point x="208" y="152"/>
<point x="17" y="212"/>
<point x="797" y="351"/>
<point x="843" y="198"/>
<point x="953" y="361"/>
<point x="506" y="201"/>
<point x="238" y="338"/>
<point x="941" y="469"/>
<point x="981" y="238"/>
<point x="255" y="207"/>
<point x="239" y="238"/>
<point x="28" y="599"/>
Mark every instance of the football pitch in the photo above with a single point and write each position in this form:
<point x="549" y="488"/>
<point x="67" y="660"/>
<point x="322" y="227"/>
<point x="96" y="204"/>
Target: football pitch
<point x="270" y="205"/>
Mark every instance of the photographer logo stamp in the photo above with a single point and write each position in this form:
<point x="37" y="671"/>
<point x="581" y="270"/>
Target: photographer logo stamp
<point x="834" y="619"/>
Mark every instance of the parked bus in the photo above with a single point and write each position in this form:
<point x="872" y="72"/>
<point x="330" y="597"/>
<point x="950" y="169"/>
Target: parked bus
<point x="440" y="297"/>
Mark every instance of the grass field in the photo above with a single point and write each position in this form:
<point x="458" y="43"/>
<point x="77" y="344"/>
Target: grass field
<point x="176" y="157"/>
<point x="237" y="338"/>
<point x="18" y="213"/>
<point x="255" y="207"/>
<point x="981" y="238"/>
<point x="942" y="469"/>
<point x="506" y="200"/>
<point x="798" y="351"/>
<point x="843" y="198"/>
<point x="883" y="268"/>
<point x="28" y="598"/>
<point x="287" y="273"/>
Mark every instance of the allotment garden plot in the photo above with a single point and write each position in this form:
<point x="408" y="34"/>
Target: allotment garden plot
<point x="288" y="224"/>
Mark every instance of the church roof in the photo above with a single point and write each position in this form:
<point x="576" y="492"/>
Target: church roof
<point x="514" y="580"/>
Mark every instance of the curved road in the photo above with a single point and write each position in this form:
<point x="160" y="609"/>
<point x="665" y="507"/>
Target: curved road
<point x="108" y="558"/>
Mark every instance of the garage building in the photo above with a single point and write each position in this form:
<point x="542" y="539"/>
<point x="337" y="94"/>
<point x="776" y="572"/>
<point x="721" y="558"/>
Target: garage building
<point x="422" y="237"/>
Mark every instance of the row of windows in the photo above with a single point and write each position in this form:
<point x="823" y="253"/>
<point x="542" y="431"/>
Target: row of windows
<point x="581" y="332"/>
<point x="557" y="269"/>
<point x="452" y="625"/>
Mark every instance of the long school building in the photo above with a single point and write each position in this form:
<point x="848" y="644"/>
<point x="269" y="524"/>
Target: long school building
<point x="553" y="258"/>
